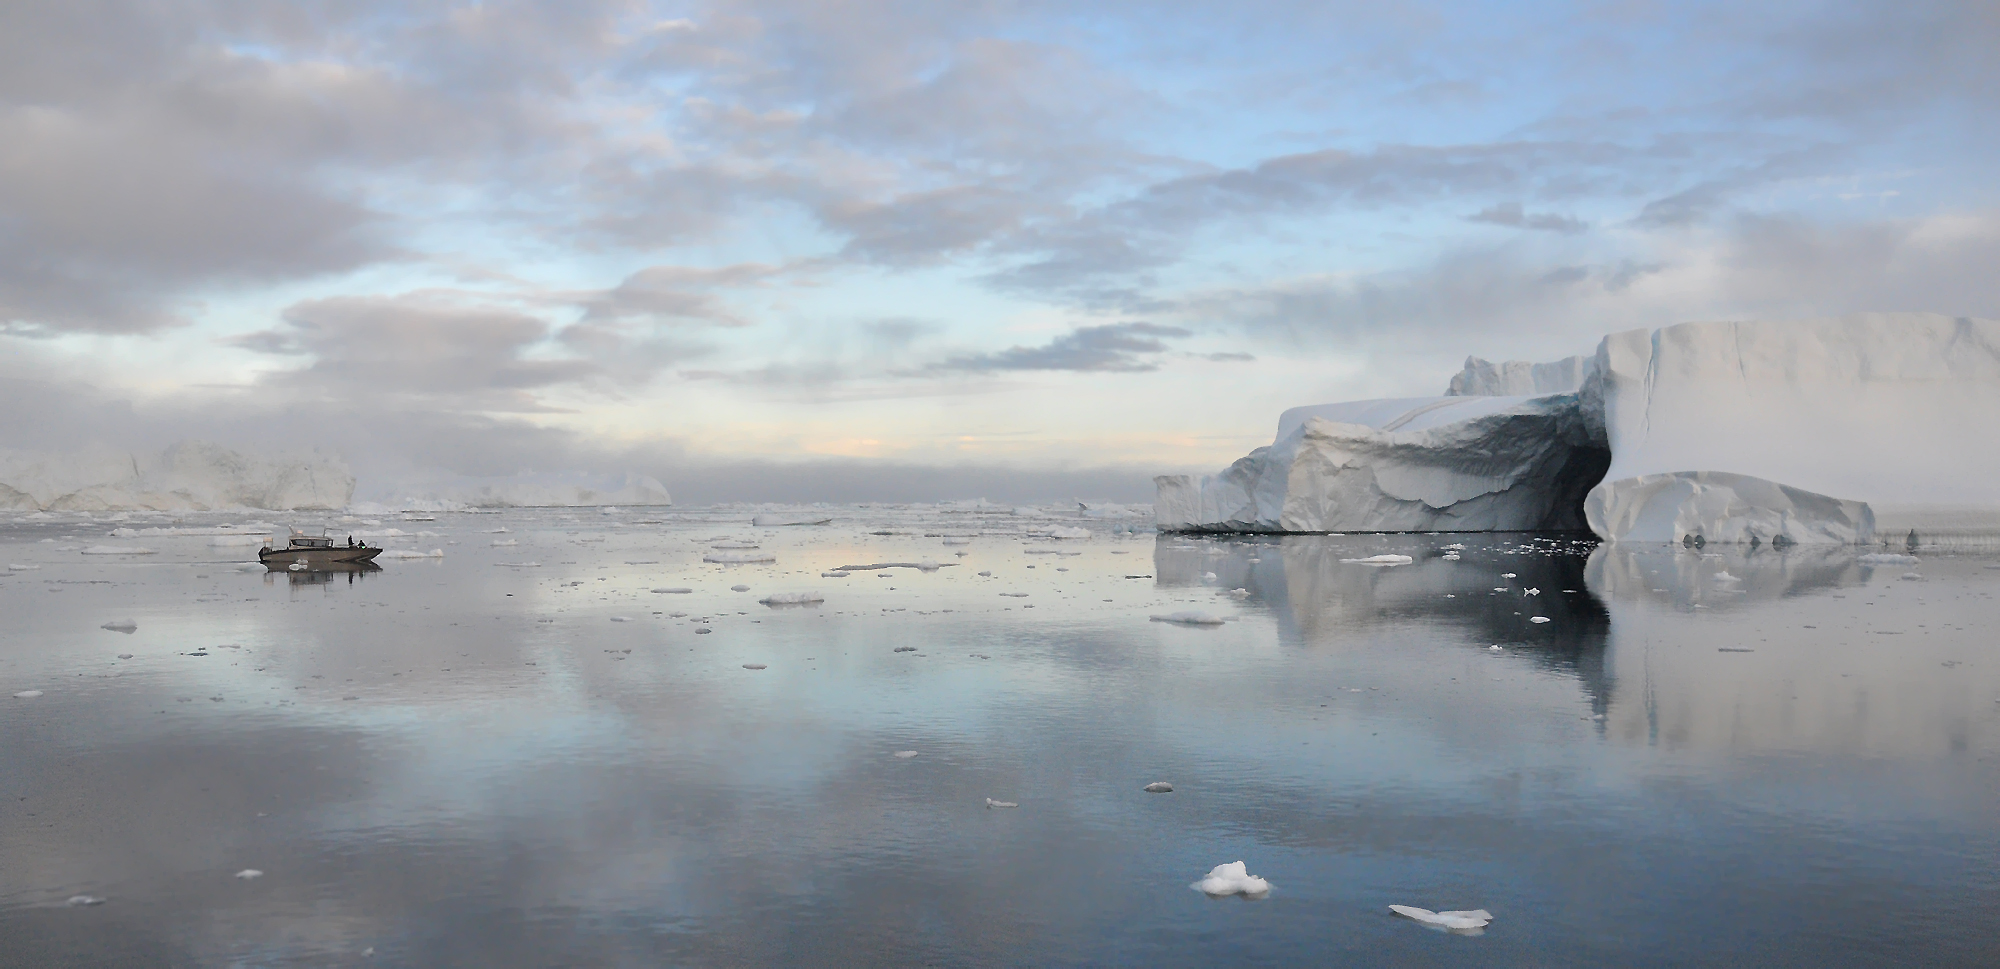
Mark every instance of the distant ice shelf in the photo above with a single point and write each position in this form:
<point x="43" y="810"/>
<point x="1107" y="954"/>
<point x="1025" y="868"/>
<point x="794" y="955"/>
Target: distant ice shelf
<point x="1825" y="431"/>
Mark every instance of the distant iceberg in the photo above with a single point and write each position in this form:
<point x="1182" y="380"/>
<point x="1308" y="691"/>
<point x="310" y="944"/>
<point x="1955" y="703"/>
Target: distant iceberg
<point x="528" y="491"/>
<point x="188" y="476"/>
<point x="1802" y="432"/>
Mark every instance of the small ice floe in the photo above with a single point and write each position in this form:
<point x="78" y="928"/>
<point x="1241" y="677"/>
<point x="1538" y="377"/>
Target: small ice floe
<point x="296" y="567"/>
<point x="678" y="591"/>
<point x="1158" y="787"/>
<point x="504" y="542"/>
<point x="1886" y="558"/>
<point x="739" y="588"/>
<point x="18" y="567"/>
<point x="117" y="550"/>
<point x="986" y="575"/>
<point x="1014" y="595"/>
<point x="836" y="575"/>
<point x="1062" y="532"/>
<point x="755" y="666"/>
<point x="1531" y="592"/>
<point x="81" y="901"/>
<point x="927" y="565"/>
<point x="1450" y="556"/>
<point x="621" y="618"/>
<point x="957" y="541"/>
<point x="1236" y="593"/>
<point x="520" y="565"/>
<point x="734" y="544"/>
<point x="27" y="694"/>
<point x="1000" y="804"/>
<point x="410" y="553"/>
<point x="1913" y="577"/>
<point x="792" y="599"/>
<point x="775" y="521"/>
<point x="1455" y="547"/>
<point x="1208" y="577"/>
<point x="249" y="873"/>
<point x="1189" y="617"/>
<point x="904" y="649"/>
<point x="703" y="631"/>
<point x="1538" y="619"/>
<point x="121" y="626"/>
<point x="1380" y="560"/>
<point x="1232" y="879"/>
<point x="1724" y="576"/>
<point x="1507" y="575"/>
<point x="124" y="655"/>
<point x="905" y="754"/>
<point x="738" y="558"/>
<point x="1494" y="649"/>
<point x="1452" y="921"/>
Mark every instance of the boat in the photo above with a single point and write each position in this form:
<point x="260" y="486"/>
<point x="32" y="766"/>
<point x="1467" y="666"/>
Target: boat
<point x="315" y="552"/>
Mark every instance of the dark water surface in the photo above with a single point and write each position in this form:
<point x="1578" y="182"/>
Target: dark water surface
<point x="1733" y="758"/>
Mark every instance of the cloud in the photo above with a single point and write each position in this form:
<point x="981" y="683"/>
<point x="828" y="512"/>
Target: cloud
<point x="1112" y="348"/>
<point x="1511" y="214"/>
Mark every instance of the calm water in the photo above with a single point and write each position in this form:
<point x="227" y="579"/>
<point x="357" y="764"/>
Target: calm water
<point x="1747" y="758"/>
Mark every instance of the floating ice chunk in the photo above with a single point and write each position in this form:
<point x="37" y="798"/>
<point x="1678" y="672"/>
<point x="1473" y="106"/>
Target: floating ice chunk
<point x="1158" y="787"/>
<point x="80" y="901"/>
<point x="1724" y="576"/>
<point x="118" y="550"/>
<point x="1531" y="592"/>
<point x="1189" y="617"/>
<point x="987" y="575"/>
<point x="27" y="694"/>
<point x="836" y="575"/>
<point x="1475" y="919"/>
<point x="1062" y="532"/>
<point x="905" y="754"/>
<point x="738" y="558"/>
<point x="739" y="588"/>
<point x="121" y="626"/>
<point x="1495" y="649"/>
<point x="1886" y="558"/>
<point x="773" y="521"/>
<point x="1508" y="575"/>
<point x="1236" y="593"/>
<point x="1913" y="577"/>
<point x="1232" y="879"/>
<point x="296" y="567"/>
<point x="1382" y="560"/>
<point x="520" y="565"/>
<point x="1538" y="619"/>
<point x="958" y="541"/>
<point x="677" y="590"/>
<point x="1450" y="556"/>
<point x="504" y="542"/>
<point x="1000" y="804"/>
<point x="404" y="553"/>
<point x="792" y="598"/>
<point x="18" y="567"/>
<point x="124" y="655"/>
<point x="621" y="618"/>
<point x="755" y="666"/>
<point x="734" y="544"/>
<point x="249" y="873"/>
<point x="1455" y="547"/>
<point x="904" y="649"/>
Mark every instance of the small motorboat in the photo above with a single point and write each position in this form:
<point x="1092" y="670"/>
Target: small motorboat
<point x="306" y="552"/>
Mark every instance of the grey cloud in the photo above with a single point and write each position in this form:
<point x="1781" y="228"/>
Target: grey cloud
<point x="1511" y="214"/>
<point x="1229" y="357"/>
<point x="675" y="294"/>
<point x="455" y="354"/>
<point x="1115" y="348"/>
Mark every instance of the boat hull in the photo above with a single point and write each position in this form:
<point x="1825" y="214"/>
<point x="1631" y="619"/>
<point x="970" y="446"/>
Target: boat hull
<point x="316" y="558"/>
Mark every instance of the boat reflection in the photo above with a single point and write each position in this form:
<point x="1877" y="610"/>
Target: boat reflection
<point x="327" y="574"/>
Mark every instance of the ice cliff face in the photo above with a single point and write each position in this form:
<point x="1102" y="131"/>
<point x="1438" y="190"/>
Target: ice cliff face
<point x="1782" y="432"/>
<point x="189" y="476"/>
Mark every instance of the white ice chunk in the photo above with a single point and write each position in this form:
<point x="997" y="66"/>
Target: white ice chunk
<point x="1064" y="532"/>
<point x="792" y="598"/>
<point x="121" y="626"/>
<point x="1474" y="919"/>
<point x="27" y="694"/>
<point x="1232" y="879"/>
<point x="739" y="558"/>
<point x="1189" y="617"/>
<point x="505" y="542"/>
<point x="674" y="590"/>
<point x="118" y="550"/>
<point x="405" y="553"/>
<point x="905" y="754"/>
<point x="1538" y="619"/>
<point x="1000" y="804"/>
<point x="1380" y="560"/>
<point x="249" y="873"/>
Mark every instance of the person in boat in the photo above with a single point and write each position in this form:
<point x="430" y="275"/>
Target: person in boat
<point x="350" y="541"/>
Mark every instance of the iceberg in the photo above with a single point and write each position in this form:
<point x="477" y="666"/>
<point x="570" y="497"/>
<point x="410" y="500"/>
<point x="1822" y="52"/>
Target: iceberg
<point x="1823" y="431"/>
<point x="188" y="476"/>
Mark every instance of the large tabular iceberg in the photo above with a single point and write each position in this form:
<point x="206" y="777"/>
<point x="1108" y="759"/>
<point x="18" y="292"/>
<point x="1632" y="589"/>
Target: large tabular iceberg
<point x="189" y="476"/>
<point x="1815" y="431"/>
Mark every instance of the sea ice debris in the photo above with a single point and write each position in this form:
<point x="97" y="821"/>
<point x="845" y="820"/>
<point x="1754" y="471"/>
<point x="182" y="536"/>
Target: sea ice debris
<point x="80" y="901"/>
<point x="1000" y="804"/>
<point x="674" y="591"/>
<point x="755" y="666"/>
<point x="1158" y="787"/>
<point x="739" y="588"/>
<point x="121" y="626"/>
<point x="1886" y="558"/>
<point x="1063" y="532"/>
<point x="1380" y="560"/>
<point x="118" y="550"/>
<point x="738" y="558"/>
<point x="792" y="598"/>
<point x="1538" y="619"/>
<point x="905" y="754"/>
<point x="1475" y="919"/>
<point x="249" y="873"/>
<point x="27" y="694"/>
<point x="772" y="521"/>
<point x="1232" y="879"/>
<point x="1189" y="617"/>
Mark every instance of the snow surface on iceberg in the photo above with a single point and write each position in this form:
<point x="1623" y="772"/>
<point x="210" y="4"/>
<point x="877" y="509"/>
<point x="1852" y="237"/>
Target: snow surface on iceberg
<point x="1514" y="378"/>
<point x="1410" y="464"/>
<point x="188" y="476"/>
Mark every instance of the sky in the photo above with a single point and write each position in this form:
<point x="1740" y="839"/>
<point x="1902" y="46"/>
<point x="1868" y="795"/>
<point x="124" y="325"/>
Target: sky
<point x="829" y="250"/>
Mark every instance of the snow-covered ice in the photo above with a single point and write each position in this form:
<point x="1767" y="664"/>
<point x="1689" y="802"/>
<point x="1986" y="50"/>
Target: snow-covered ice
<point x="1474" y="919"/>
<point x="792" y="598"/>
<point x="1232" y="879"/>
